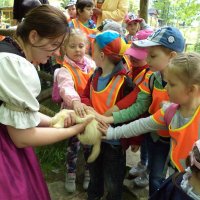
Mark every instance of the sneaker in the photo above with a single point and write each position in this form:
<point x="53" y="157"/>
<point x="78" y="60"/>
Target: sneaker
<point x="86" y="180"/>
<point x="142" y="181"/>
<point x="70" y="183"/>
<point x="137" y="170"/>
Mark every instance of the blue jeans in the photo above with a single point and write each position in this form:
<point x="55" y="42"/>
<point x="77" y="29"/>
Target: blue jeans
<point x="144" y="152"/>
<point x="157" y="153"/>
<point x="108" y="169"/>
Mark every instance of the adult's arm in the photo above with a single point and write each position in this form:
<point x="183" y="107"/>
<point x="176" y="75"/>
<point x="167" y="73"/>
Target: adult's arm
<point x="39" y="136"/>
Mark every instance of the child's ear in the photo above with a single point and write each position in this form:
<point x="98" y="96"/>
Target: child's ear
<point x="173" y="54"/>
<point x="78" y="12"/>
<point x="102" y="55"/>
<point x="194" y="89"/>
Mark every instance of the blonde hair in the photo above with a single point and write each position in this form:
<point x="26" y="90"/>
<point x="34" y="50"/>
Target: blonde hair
<point x="73" y="32"/>
<point x="187" y="67"/>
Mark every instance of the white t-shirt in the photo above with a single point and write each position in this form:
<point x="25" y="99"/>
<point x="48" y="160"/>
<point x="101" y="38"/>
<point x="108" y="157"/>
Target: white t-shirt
<point x="19" y="87"/>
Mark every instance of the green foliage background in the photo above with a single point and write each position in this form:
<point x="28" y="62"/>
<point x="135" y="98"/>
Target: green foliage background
<point x="6" y="3"/>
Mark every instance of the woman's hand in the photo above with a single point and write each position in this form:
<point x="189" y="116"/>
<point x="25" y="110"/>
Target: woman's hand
<point x="103" y="127"/>
<point x="79" y="108"/>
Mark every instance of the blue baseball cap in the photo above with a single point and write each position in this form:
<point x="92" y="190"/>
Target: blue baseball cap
<point x="169" y="37"/>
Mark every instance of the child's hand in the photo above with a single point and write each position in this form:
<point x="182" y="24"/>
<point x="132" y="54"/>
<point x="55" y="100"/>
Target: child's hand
<point x="103" y="127"/>
<point x="135" y="148"/>
<point x="70" y="119"/>
<point x="89" y="109"/>
<point x="111" y="110"/>
<point x="79" y="108"/>
<point x="83" y="124"/>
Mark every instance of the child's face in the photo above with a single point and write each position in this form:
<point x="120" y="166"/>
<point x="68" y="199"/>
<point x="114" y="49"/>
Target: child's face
<point x="133" y="28"/>
<point x="72" y="11"/>
<point x="177" y="90"/>
<point x="75" y="48"/>
<point x="157" y="59"/>
<point x="137" y="63"/>
<point x="87" y="13"/>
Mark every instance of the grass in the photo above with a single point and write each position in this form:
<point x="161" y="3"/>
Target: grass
<point x="52" y="157"/>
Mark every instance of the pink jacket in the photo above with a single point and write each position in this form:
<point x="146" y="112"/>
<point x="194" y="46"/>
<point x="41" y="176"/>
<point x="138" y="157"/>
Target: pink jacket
<point x="66" y="83"/>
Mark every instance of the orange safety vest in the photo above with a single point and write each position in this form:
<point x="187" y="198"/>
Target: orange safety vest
<point x="88" y="31"/>
<point x="2" y="37"/>
<point x="158" y="96"/>
<point x="79" y="25"/>
<point x="105" y="99"/>
<point x="80" y="78"/>
<point x="128" y="66"/>
<point x="182" y="139"/>
<point x="140" y="77"/>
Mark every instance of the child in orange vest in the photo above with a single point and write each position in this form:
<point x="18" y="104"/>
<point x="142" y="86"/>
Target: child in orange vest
<point x="84" y="10"/>
<point x="71" y="9"/>
<point x="136" y="60"/>
<point x="162" y="45"/>
<point x="181" y="117"/>
<point x="72" y="78"/>
<point x="108" y="85"/>
<point x="183" y="185"/>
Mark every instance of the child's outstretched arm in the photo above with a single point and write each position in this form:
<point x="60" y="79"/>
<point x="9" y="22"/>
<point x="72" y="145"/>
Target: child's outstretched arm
<point x="132" y="129"/>
<point x="135" y="110"/>
<point x="141" y="105"/>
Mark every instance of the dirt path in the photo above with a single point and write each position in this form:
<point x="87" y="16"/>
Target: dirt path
<point x="58" y="192"/>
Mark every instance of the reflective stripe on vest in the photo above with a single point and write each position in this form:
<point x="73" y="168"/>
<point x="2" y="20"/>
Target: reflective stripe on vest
<point x="80" y="78"/>
<point x="105" y="99"/>
<point x="128" y="66"/>
<point x="158" y="96"/>
<point x="182" y="140"/>
<point x="79" y="25"/>
<point x="144" y="86"/>
<point x="140" y="77"/>
<point x="158" y="117"/>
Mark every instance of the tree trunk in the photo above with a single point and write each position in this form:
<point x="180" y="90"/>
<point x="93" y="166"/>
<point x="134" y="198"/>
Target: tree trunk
<point x="47" y="111"/>
<point x="45" y="94"/>
<point x="144" y="9"/>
